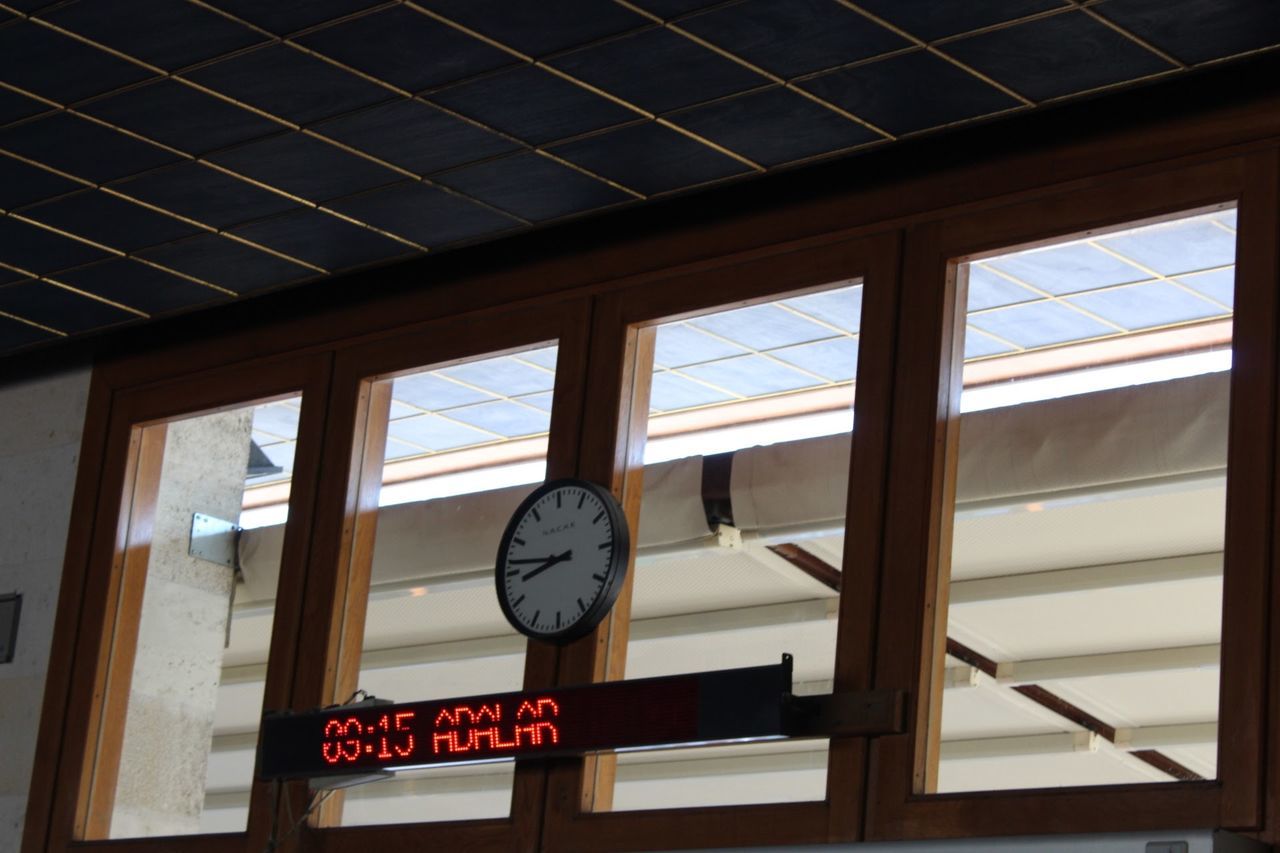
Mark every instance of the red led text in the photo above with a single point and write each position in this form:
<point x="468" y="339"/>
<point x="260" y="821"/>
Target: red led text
<point x="464" y="728"/>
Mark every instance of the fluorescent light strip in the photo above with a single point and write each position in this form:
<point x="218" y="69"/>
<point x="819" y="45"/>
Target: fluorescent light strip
<point x="724" y="439"/>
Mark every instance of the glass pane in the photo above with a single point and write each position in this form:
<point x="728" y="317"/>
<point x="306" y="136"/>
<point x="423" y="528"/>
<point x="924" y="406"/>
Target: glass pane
<point x="204" y="629"/>
<point x="465" y="443"/>
<point x="1086" y="558"/>
<point x="742" y="528"/>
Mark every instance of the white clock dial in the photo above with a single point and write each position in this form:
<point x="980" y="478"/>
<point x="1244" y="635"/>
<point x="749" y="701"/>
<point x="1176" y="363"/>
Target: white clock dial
<point x="562" y="560"/>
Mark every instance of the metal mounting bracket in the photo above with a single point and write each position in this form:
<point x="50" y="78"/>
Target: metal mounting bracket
<point x="861" y="713"/>
<point x="215" y="540"/>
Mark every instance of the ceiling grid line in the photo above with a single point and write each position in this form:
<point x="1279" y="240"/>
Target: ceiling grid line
<point x="751" y="66"/>
<point x="596" y="90"/>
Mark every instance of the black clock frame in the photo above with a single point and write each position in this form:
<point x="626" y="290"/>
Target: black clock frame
<point x="618" y="558"/>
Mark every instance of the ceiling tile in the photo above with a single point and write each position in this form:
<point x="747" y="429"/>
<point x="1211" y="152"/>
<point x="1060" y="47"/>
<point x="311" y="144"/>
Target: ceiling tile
<point x="650" y="158"/>
<point x="1198" y="30"/>
<point x="543" y="356"/>
<point x="978" y="344"/>
<point x="1038" y="324"/>
<point x="416" y="136"/>
<point x="909" y="92"/>
<point x="1056" y="56"/>
<point x="668" y="9"/>
<point x="989" y="290"/>
<point x="82" y="148"/>
<point x="1176" y="247"/>
<point x="533" y="105"/>
<point x="533" y="187"/>
<point x="59" y="308"/>
<point x="793" y="37"/>
<point x="504" y="417"/>
<point x="140" y="286"/>
<point x="390" y="45"/>
<point x="436" y="433"/>
<point x="841" y="307"/>
<point x="678" y="344"/>
<point x="227" y="263"/>
<point x="762" y="327"/>
<point x="14" y="334"/>
<point x="21" y="184"/>
<point x="1142" y="306"/>
<point x="206" y="195"/>
<point x="929" y="19"/>
<point x="181" y="117"/>
<point x="1219" y="284"/>
<point x="109" y="220"/>
<point x="542" y="401"/>
<point x="163" y="33"/>
<point x="14" y="106"/>
<point x="539" y="28"/>
<point x="289" y="83"/>
<point x="503" y="376"/>
<point x="751" y="375"/>
<point x="659" y="70"/>
<point x="424" y="214"/>
<point x="322" y="239"/>
<point x="40" y="251"/>
<point x="434" y="393"/>
<point x="76" y="71"/>
<point x="672" y="391"/>
<point x="1068" y="268"/>
<point x="288" y="16"/>
<point x="835" y="359"/>
<point x="306" y="167"/>
<point x="774" y="126"/>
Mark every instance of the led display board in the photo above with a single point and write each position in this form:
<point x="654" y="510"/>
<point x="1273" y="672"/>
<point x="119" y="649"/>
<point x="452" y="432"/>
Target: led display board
<point x="708" y="707"/>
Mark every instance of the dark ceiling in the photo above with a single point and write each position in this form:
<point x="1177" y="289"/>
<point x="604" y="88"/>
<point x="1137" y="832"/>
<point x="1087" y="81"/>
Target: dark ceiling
<point x="158" y="156"/>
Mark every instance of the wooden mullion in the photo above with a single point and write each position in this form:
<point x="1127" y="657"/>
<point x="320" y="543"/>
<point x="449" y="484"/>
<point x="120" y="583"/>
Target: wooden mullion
<point x="861" y="563"/>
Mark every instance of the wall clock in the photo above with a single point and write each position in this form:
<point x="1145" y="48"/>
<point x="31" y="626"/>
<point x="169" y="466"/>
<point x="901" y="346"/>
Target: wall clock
<point x="562" y="560"/>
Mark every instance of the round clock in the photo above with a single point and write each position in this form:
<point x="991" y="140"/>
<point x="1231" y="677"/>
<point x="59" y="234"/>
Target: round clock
<point x="562" y="560"/>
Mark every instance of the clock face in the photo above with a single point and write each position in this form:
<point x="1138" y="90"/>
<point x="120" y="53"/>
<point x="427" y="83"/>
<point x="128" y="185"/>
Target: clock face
<point x="562" y="560"/>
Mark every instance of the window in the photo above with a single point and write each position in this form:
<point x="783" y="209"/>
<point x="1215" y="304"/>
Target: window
<point x="1085" y="584"/>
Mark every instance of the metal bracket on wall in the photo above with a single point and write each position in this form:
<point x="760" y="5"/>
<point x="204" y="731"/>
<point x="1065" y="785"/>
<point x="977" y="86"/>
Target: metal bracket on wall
<point x="215" y="540"/>
<point x="10" y="607"/>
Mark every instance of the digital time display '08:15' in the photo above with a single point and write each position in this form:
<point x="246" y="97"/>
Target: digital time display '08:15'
<point x="723" y="705"/>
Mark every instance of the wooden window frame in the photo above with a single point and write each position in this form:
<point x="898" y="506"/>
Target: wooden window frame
<point x="613" y="445"/>
<point x="922" y="491"/>
<point x="105" y="586"/>
<point x="340" y="579"/>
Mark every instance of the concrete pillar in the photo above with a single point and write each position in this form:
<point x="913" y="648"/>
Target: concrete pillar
<point x="182" y="632"/>
<point x="41" y="422"/>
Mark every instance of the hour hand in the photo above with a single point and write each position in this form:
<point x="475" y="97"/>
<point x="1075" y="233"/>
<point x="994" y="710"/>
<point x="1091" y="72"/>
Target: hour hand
<point x="529" y="561"/>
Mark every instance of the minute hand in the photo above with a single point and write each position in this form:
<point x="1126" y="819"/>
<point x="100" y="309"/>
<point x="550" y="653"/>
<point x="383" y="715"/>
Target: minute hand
<point x="551" y="561"/>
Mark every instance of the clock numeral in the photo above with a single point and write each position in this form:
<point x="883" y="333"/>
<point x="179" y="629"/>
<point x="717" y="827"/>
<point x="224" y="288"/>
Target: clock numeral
<point x="516" y="603"/>
<point x="557" y="620"/>
<point x="513" y="573"/>
<point x="558" y="496"/>
<point x="534" y="620"/>
<point x="599" y="578"/>
<point x="582" y="608"/>
<point x="582" y="497"/>
<point x="604" y="545"/>
<point x="536" y="517"/>
<point x="599" y="515"/>
<point x="517" y="540"/>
